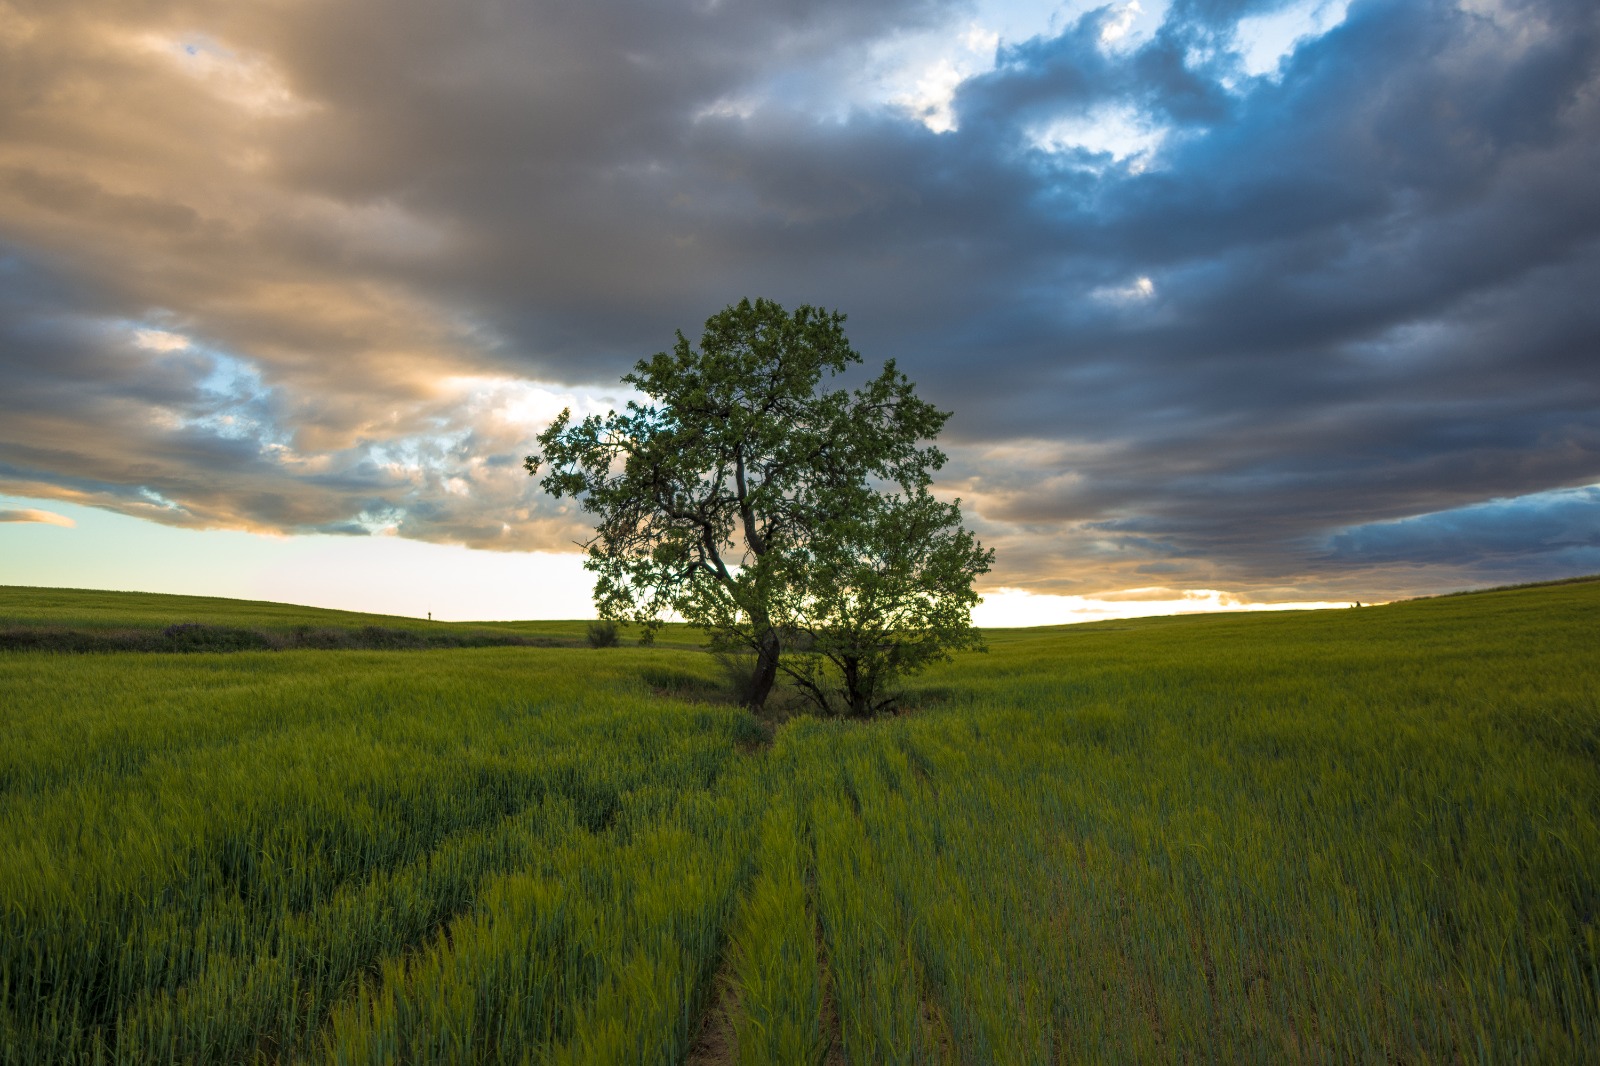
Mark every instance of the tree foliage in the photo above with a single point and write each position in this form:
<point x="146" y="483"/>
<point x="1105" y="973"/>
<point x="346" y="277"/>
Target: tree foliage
<point x="881" y="588"/>
<point x="747" y="497"/>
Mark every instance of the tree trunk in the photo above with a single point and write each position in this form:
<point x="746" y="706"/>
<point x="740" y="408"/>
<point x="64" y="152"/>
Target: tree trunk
<point x="766" y="673"/>
<point x="859" y="701"/>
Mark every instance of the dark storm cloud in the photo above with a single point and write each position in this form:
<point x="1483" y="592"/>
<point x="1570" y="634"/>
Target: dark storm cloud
<point x="1352" y="291"/>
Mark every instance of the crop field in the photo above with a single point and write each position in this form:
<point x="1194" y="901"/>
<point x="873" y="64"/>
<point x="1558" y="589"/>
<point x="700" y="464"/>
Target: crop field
<point x="1364" y="835"/>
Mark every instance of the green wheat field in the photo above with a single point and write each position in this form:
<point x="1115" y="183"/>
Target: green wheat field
<point x="1346" y="836"/>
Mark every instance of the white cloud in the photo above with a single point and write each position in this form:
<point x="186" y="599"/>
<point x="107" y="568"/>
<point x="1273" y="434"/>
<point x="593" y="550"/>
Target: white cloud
<point x="159" y="340"/>
<point x="519" y="406"/>
<point x="1141" y="288"/>
<point x="1117" y="26"/>
<point x="1263" y="41"/>
<point x="922" y="74"/>
<point x="1121" y="131"/>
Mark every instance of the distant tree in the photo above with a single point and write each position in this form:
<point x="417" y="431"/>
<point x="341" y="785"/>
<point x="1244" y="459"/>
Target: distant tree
<point x="742" y="496"/>
<point x="602" y="634"/>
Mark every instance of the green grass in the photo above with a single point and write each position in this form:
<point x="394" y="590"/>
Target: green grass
<point x="1358" y="835"/>
<point x="92" y="609"/>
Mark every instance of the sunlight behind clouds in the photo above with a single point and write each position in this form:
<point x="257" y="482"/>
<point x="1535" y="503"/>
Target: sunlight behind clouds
<point x="1007" y="607"/>
<point x="1117" y="26"/>
<point x="246" y="81"/>
<point x="1141" y="288"/>
<point x="920" y="73"/>
<point x="159" y="340"/>
<point x="518" y="405"/>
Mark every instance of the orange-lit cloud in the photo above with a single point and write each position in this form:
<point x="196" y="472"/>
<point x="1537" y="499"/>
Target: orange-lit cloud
<point x="32" y="514"/>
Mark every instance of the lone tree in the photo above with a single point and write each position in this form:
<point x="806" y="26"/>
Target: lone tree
<point x="751" y="500"/>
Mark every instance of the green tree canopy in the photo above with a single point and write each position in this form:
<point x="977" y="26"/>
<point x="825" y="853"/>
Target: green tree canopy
<point x="742" y="480"/>
<point x="881" y="588"/>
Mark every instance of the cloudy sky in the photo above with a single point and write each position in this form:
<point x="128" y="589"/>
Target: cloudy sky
<point x="1234" y="301"/>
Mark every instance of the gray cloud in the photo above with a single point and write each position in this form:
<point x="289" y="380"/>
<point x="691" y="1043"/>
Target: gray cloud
<point x="1355" y="291"/>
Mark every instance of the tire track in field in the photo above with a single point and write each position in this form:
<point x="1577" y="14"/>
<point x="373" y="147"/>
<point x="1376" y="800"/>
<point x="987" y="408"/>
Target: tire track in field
<point x="585" y="882"/>
<point x="169" y="934"/>
<point x="716" y="1039"/>
<point x="345" y="928"/>
<point x="832" y="1033"/>
<point x="865" y="785"/>
<point x="322" y="951"/>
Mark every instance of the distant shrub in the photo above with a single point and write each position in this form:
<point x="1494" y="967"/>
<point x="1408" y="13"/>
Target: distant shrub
<point x="54" y="638"/>
<point x="196" y="636"/>
<point x="384" y="637"/>
<point x="602" y="634"/>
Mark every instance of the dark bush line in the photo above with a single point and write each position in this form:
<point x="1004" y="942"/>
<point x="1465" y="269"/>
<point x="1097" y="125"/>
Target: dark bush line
<point x="198" y="637"/>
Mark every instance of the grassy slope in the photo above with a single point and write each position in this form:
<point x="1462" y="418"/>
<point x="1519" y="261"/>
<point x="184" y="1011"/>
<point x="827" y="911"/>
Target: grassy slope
<point x="1343" y="835"/>
<point x="92" y="610"/>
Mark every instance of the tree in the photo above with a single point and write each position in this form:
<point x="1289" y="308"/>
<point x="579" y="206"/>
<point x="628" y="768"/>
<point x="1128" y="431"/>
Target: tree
<point x="882" y="589"/>
<point x="717" y="497"/>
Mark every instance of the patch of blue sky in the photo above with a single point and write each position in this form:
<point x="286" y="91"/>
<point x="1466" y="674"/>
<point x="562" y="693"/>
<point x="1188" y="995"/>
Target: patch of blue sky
<point x="916" y="72"/>
<point x="231" y="401"/>
<point x="379" y="520"/>
<point x="1562" y="523"/>
<point x="234" y="403"/>
<point x="163" y="502"/>
<point x="198" y="46"/>
<point x="423" y="453"/>
<point x="1262" y="42"/>
<point x="921" y="72"/>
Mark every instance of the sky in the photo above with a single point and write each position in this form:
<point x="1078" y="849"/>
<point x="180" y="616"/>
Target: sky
<point x="1236" y="303"/>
